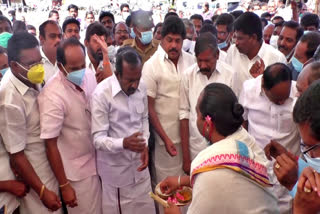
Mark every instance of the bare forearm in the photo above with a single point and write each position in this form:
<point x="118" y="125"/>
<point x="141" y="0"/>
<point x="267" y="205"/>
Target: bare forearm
<point x="25" y="170"/>
<point x="55" y="161"/>
<point x="185" y="181"/>
<point x="155" y="120"/>
<point x="184" y="134"/>
<point x="107" y="66"/>
<point x="4" y="186"/>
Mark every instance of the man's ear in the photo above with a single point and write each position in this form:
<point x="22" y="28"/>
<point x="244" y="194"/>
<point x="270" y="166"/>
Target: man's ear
<point x="86" y="43"/>
<point x="41" y="39"/>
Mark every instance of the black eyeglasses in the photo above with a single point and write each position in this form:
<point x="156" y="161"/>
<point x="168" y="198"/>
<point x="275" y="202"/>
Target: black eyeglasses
<point x="309" y="148"/>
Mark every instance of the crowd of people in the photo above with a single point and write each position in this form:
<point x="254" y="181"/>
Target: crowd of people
<point x="95" y="114"/>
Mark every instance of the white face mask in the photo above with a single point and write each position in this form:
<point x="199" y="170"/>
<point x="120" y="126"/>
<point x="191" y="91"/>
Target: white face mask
<point x="274" y="41"/>
<point x="112" y="53"/>
<point x="187" y="44"/>
<point x="313" y="162"/>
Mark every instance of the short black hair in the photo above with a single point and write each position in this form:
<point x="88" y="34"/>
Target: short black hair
<point x="12" y="12"/>
<point x="89" y="12"/>
<point x="174" y="25"/>
<point x="115" y="26"/>
<point x="104" y="14"/>
<point x="70" y="21"/>
<point x="129" y="55"/>
<point x="265" y="15"/>
<point x="314" y="72"/>
<point x="295" y="26"/>
<point x="73" y="6"/>
<point x="43" y="26"/>
<point x="250" y="24"/>
<point x="95" y="28"/>
<point x="278" y="17"/>
<point x="61" y="58"/>
<point x="309" y="19"/>
<point x="313" y="41"/>
<point x="221" y="104"/>
<point x="207" y="21"/>
<point x="196" y="16"/>
<point x="225" y="19"/>
<point x="123" y="6"/>
<point x="5" y="19"/>
<point x="236" y="13"/>
<point x="157" y="26"/>
<point x="264" y="22"/>
<point x="19" y="26"/>
<point x="19" y="42"/>
<point x="53" y="12"/>
<point x="214" y="18"/>
<point x="128" y="21"/>
<point x="307" y="108"/>
<point x="204" y="42"/>
<point x="31" y="27"/>
<point x="275" y="74"/>
<point x="279" y="24"/>
<point x="208" y="28"/>
<point x="170" y="14"/>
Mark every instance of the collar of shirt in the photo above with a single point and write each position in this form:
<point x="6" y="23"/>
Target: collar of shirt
<point x="116" y="88"/>
<point x="20" y="86"/>
<point x="46" y="58"/>
<point x="163" y="54"/>
<point x="261" y="92"/>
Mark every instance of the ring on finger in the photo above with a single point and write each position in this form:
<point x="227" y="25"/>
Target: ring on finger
<point x="277" y="166"/>
<point x="307" y="190"/>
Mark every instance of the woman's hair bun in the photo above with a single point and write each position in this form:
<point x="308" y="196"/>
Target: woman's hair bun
<point x="237" y="110"/>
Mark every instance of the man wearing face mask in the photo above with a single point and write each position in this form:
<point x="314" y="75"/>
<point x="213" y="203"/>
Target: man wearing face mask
<point x="65" y="120"/>
<point x="120" y="131"/>
<point x="98" y="51"/>
<point x="143" y="42"/>
<point x="224" y="25"/>
<point x="124" y="11"/>
<point x="304" y="52"/>
<point x="188" y="43"/>
<point x="20" y="125"/>
<point x="288" y="38"/>
<point x="4" y="66"/>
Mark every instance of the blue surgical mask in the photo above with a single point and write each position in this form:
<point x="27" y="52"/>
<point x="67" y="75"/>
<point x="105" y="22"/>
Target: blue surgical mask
<point x="146" y="37"/>
<point x="222" y="45"/>
<point x="3" y="71"/>
<point x="297" y="65"/>
<point x="132" y="34"/>
<point x="76" y="77"/>
<point x="313" y="162"/>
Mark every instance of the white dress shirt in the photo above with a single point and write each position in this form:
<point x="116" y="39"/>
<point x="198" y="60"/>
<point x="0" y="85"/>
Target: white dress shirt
<point x="116" y="116"/>
<point x="268" y="121"/>
<point x="163" y="84"/>
<point x="192" y="84"/>
<point x="243" y="64"/>
<point x="49" y="69"/>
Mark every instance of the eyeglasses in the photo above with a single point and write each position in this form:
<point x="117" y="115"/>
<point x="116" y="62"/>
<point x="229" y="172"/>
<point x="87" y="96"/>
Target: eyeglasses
<point x="307" y="149"/>
<point x="122" y="31"/>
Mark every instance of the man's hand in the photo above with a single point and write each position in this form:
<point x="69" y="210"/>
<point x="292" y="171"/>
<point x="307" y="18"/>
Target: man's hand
<point x="17" y="188"/>
<point x="144" y="160"/>
<point x="307" y="199"/>
<point x="69" y="196"/>
<point x="101" y="75"/>
<point x="169" y="185"/>
<point x="257" y="68"/>
<point x="274" y="149"/>
<point x="134" y="143"/>
<point x="101" y="44"/>
<point x="171" y="148"/>
<point x="173" y="209"/>
<point x="286" y="170"/>
<point x="51" y="200"/>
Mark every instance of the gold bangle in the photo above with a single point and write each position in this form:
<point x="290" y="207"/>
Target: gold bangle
<point x="42" y="191"/>
<point x="63" y="185"/>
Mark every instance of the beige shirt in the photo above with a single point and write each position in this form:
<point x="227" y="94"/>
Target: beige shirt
<point x="163" y="84"/>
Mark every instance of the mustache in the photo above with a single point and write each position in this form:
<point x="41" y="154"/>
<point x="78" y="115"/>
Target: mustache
<point x="173" y="50"/>
<point x="204" y="70"/>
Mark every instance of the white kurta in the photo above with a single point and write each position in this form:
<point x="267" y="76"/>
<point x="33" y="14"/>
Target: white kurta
<point x="192" y="84"/>
<point x="20" y="131"/>
<point x="114" y="117"/>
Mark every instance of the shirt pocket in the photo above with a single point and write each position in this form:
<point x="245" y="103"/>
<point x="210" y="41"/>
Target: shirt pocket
<point x="139" y="108"/>
<point x="285" y="123"/>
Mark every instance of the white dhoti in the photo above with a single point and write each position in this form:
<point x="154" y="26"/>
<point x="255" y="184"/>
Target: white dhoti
<point x="131" y="199"/>
<point x="88" y="192"/>
<point x="31" y="203"/>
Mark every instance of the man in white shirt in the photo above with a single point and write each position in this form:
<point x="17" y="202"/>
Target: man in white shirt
<point x="120" y="130"/>
<point x="65" y="121"/>
<point x="162" y="74"/>
<point x="268" y="102"/>
<point x="250" y="55"/>
<point x="208" y="69"/>
<point x="224" y="25"/>
<point x="20" y="125"/>
<point x="50" y="37"/>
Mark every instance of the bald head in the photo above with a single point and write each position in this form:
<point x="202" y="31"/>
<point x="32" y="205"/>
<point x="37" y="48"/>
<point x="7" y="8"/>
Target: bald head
<point x="308" y="75"/>
<point x="267" y="33"/>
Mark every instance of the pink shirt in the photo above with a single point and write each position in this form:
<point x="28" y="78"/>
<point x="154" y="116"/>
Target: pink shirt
<point x="65" y="113"/>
